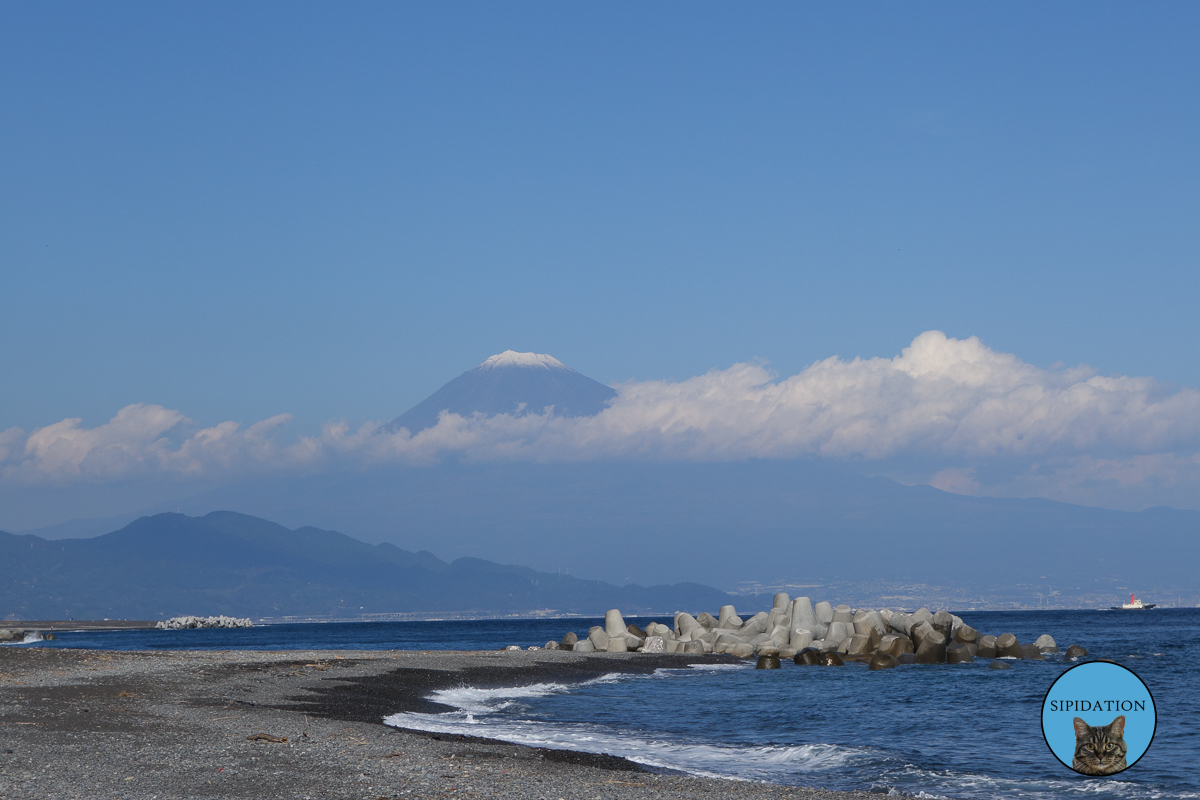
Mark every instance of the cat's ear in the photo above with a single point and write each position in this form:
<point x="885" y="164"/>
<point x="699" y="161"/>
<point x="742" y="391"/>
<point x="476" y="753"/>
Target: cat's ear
<point x="1081" y="728"/>
<point x="1117" y="726"/>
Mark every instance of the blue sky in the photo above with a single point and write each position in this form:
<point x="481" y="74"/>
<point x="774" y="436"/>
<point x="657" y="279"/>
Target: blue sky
<point x="241" y="211"/>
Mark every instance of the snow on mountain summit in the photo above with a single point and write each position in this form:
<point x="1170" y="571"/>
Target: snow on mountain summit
<point x="538" y="384"/>
<point x="511" y="358"/>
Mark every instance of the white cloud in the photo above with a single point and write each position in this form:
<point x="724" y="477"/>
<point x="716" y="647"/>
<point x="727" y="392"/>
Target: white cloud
<point x="135" y="442"/>
<point x="956" y="479"/>
<point x="940" y="397"/>
<point x="953" y="403"/>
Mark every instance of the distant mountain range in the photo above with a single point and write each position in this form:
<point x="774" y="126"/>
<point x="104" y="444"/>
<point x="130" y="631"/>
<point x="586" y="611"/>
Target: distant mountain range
<point x="804" y="525"/>
<point x="511" y="383"/>
<point x="735" y="525"/>
<point x="226" y="563"/>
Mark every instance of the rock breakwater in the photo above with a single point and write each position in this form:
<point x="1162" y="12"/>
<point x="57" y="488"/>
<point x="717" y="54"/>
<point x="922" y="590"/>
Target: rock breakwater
<point x="180" y="623"/>
<point x="814" y="634"/>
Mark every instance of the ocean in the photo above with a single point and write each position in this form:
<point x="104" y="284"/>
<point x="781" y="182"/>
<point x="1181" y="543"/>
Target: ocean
<point x="957" y="731"/>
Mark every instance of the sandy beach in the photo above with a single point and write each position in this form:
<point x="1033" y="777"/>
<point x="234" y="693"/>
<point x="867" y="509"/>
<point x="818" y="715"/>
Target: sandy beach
<point x="107" y="724"/>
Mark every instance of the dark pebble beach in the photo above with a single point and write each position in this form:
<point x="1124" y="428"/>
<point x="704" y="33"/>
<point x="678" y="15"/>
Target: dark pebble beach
<point x="106" y="724"/>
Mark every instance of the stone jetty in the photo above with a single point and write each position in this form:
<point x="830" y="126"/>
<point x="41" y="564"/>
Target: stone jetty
<point x="813" y="634"/>
<point x="180" y="623"/>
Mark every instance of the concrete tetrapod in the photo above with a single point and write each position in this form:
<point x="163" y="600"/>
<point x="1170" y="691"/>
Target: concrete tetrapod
<point x="943" y="623"/>
<point x="1007" y="646"/>
<point x="755" y="625"/>
<point x="839" y="632"/>
<point x="685" y="623"/>
<point x="653" y="644"/>
<point x="599" y="639"/>
<point x="800" y="638"/>
<point x="931" y="652"/>
<point x="802" y="614"/>
<point x="614" y="623"/>
<point x="883" y="661"/>
<point x="966" y="635"/>
<point x="920" y="615"/>
<point x="867" y="620"/>
<point x="808" y="657"/>
<point x="860" y="645"/>
<point x="895" y="644"/>
<point x="1031" y="652"/>
<point x="900" y="622"/>
<point x="727" y="617"/>
<point x="959" y="653"/>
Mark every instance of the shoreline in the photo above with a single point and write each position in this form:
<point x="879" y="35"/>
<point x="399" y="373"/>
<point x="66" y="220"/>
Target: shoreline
<point x="62" y="625"/>
<point x="140" y="724"/>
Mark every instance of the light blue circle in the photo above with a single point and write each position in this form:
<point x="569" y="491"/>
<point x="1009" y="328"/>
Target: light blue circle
<point x="1098" y="692"/>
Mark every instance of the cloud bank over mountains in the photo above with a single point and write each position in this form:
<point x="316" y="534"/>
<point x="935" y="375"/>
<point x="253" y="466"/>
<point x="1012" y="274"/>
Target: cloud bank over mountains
<point x="953" y="413"/>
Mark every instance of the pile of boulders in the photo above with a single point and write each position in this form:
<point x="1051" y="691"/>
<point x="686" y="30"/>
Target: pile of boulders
<point x="180" y="623"/>
<point x="12" y="634"/>
<point x="814" y="634"/>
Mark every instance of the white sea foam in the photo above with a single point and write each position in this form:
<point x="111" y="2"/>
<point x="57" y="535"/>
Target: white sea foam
<point x="714" y="667"/>
<point x="31" y="637"/>
<point x="486" y="701"/>
<point x="746" y="763"/>
<point x="480" y="712"/>
<point x="973" y="784"/>
<point x="474" y="707"/>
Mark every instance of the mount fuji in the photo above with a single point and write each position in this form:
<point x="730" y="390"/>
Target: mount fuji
<point x="511" y="383"/>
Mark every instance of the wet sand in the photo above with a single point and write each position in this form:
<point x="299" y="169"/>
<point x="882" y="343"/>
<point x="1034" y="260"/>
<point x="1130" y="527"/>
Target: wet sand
<point x="104" y="724"/>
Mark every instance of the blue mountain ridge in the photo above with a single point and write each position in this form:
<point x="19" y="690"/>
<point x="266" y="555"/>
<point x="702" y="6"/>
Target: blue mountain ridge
<point x="228" y="563"/>
<point x="735" y="524"/>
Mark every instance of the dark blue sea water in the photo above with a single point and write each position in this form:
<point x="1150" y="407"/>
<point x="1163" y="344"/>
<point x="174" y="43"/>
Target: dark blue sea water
<point x="949" y="731"/>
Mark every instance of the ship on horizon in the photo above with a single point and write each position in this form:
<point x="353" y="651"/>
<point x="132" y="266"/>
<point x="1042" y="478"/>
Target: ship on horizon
<point x="1133" y="603"/>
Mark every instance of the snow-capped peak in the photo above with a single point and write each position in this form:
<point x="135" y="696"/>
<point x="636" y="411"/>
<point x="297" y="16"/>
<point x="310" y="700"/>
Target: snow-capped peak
<point x="511" y="358"/>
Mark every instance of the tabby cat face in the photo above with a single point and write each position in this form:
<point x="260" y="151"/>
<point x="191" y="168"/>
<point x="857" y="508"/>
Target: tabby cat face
<point x="1100" y="749"/>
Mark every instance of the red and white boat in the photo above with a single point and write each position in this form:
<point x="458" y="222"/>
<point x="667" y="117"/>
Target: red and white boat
<point x="1133" y="603"/>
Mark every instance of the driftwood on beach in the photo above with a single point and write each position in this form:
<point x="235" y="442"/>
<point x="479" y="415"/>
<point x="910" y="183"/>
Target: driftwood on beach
<point x="811" y="633"/>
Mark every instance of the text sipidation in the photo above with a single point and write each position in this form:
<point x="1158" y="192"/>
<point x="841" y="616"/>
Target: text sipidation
<point x="1097" y="705"/>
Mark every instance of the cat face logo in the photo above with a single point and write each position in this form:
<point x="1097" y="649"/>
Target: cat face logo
<point x="1098" y="718"/>
<point x="1099" y="749"/>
